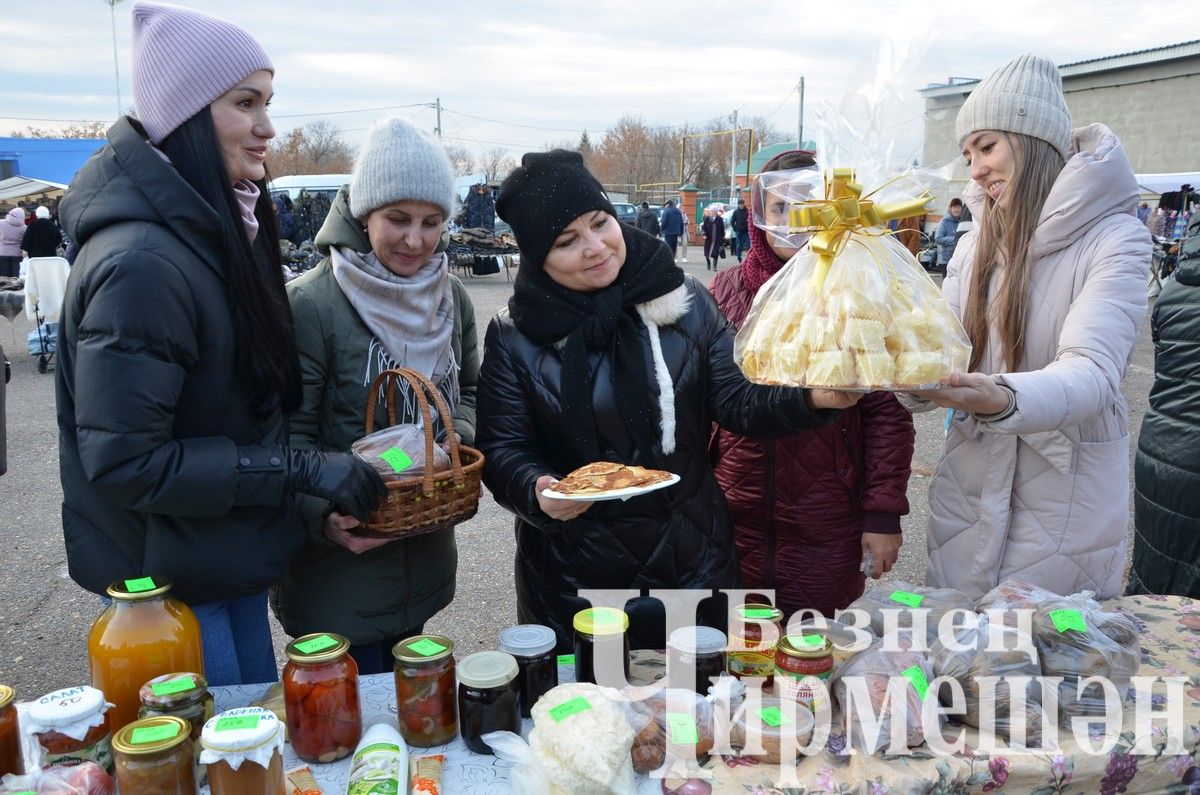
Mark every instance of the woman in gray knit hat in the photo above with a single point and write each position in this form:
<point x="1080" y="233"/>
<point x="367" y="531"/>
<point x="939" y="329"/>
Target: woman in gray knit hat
<point x="383" y="297"/>
<point x="1051" y="288"/>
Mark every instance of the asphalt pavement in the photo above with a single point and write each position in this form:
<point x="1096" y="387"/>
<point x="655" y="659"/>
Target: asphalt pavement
<point x="45" y="617"/>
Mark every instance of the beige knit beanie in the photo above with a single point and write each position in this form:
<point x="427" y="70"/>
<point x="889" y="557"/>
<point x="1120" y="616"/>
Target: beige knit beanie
<point x="1023" y="96"/>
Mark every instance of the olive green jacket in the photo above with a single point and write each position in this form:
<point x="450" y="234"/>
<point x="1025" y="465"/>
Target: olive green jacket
<point x="396" y="587"/>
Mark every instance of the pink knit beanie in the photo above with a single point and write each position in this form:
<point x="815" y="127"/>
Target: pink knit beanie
<point x="183" y="60"/>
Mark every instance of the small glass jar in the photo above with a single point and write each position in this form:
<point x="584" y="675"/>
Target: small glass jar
<point x="11" y="760"/>
<point x="488" y="698"/>
<point x="155" y="756"/>
<point x="699" y="648"/>
<point x="182" y="695"/>
<point x="801" y="660"/>
<point x="532" y="645"/>
<point x="78" y="710"/>
<point x="425" y="690"/>
<point x="752" y="640"/>
<point x="243" y="749"/>
<point x="599" y="633"/>
<point x="320" y="696"/>
<point x="772" y="726"/>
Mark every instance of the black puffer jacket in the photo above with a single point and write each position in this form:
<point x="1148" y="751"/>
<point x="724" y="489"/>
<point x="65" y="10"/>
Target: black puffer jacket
<point x="1166" y="478"/>
<point x="679" y="537"/>
<point x="165" y="469"/>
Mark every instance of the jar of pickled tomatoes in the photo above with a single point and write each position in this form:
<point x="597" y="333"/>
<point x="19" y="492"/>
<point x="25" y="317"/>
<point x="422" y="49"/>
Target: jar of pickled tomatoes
<point x="71" y="727"/>
<point x="320" y="696"/>
<point x="426" y="690"/>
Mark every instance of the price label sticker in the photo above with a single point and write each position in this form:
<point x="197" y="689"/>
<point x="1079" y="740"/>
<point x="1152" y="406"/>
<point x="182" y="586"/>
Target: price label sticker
<point x="234" y="722"/>
<point x="906" y="598"/>
<point x="397" y="459"/>
<point x="180" y="685"/>
<point x="816" y="641"/>
<point x="1068" y="621"/>
<point x="569" y="708"/>
<point x="317" y="644"/>
<point x="427" y="647"/>
<point x="916" y="677"/>
<point x="772" y="716"/>
<point x="140" y="585"/>
<point x="566" y="659"/>
<point x="681" y="728"/>
<point x="757" y="612"/>
<point x="153" y="734"/>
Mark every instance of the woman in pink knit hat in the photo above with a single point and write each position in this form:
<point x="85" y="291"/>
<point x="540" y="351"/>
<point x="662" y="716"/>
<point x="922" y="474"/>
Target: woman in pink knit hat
<point x="177" y="362"/>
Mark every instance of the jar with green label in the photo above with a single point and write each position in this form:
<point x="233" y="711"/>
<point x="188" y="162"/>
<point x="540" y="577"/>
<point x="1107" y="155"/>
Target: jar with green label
<point x="426" y="690"/>
<point x="155" y="756"/>
<point x="11" y="760"/>
<point x="600" y="633"/>
<point x="71" y="727"/>
<point x="753" y="635"/>
<point x="182" y="695"/>
<point x="320" y="697"/>
<point x="243" y="749"/>
<point x="803" y="664"/>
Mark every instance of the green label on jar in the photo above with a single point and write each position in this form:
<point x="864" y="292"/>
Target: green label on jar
<point x="234" y="722"/>
<point x="758" y="612"/>
<point x="569" y="708"/>
<point x="140" y="585"/>
<point x="153" y="734"/>
<point x="772" y="716"/>
<point x="812" y="640"/>
<point x="426" y="647"/>
<point x="906" y="598"/>
<point x="314" y="645"/>
<point x="397" y="459"/>
<point x="917" y="677"/>
<point x="681" y="728"/>
<point x="566" y="659"/>
<point x="1068" y="621"/>
<point x="180" y="685"/>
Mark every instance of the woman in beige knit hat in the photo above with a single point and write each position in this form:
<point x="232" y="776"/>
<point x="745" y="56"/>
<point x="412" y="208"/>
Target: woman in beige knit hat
<point x="1050" y="287"/>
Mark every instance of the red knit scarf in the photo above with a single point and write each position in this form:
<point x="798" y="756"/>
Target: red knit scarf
<point x="761" y="263"/>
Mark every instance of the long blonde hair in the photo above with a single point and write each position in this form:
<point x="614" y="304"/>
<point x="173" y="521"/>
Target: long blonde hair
<point x="1003" y="245"/>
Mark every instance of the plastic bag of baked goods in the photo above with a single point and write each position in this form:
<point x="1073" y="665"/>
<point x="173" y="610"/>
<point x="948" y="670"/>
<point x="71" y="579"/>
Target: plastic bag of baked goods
<point x="904" y="601"/>
<point x="1078" y="638"/>
<point x="678" y="725"/>
<point x="885" y="690"/>
<point x="1014" y="602"/>
<point x="1005" y="653"/>
<point x="399" y="451"/>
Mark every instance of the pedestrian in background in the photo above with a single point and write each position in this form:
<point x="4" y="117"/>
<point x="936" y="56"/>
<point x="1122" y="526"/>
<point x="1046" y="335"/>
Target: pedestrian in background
<point x="42" y="238"/>
<point x="672" y="226"/>
<point x="946" y="234"/>
<point x="685" y="236"/>
<point x="741" y="229"/>
<point x="1051" y="289"/>
<point x="12" y="232"/>
<point x="713" y="229"/>
<point x="647" y="220"/>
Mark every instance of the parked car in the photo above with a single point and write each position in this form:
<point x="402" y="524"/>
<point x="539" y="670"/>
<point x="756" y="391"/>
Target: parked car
<point x="626" y="212"/>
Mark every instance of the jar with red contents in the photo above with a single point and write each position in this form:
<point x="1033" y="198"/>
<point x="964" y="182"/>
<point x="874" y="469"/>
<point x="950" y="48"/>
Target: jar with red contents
<point x="753" y="636"/>
<point x="320" y="697"/>
<point x="803" y="664"/>
<point x="426" y="690"/>
<point x="10" y="736"/>
<point x="71" y="727"/>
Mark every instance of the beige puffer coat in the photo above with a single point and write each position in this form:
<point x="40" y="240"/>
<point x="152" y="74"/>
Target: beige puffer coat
<point x="1044" y="494"/>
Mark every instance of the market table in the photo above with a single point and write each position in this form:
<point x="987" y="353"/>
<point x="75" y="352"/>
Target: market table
<point x="1170" y="637"/>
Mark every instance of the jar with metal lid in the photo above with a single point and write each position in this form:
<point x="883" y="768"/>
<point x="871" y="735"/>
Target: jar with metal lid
<point x="425" y="690"/>
<point x="243" y="749"/>
<point x="600" y="633"/>
<point x="320" y="697"/>
<point x="11" y="760"/>
<point x="701" y="649"/>
<point x="183" y="695"/>
<point x="802" y="663"/>
<point x="155" y="756"/>
<point x="532" y="645"/>
<point x="752" y="640"/>
<point x="71" y="727"/>
<point x="143" y="633"/>
<point x="488" y="699"/>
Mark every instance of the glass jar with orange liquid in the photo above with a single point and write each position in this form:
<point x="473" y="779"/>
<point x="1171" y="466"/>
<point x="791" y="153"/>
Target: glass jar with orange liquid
<point x="143" y="633"/>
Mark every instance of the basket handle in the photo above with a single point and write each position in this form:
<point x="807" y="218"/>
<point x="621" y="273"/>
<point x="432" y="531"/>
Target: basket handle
<point x="421" y="386"/>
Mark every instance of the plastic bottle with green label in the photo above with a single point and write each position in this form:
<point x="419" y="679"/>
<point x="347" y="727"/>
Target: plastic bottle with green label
<point x="380" y="763"/>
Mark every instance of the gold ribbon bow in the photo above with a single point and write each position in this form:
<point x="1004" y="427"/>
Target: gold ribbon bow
<point x="844" y="211"/>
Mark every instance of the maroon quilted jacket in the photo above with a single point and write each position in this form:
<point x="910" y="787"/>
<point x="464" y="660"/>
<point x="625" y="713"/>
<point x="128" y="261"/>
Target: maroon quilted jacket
<point x="800" y="503"/>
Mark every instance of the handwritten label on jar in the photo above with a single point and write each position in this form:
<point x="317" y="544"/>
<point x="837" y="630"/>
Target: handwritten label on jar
<point x="140" y="584"/>
<point x="234" y="722"/>
<point x="397" y="459"/>
<point x="681" y="729"/>
<point x="772" y="716"/>
<point x="427" y="647"/>
<point x="153" y="734"/>
<point x="906" y="598"/>
<point x="171" y="686"/>
<point x="1068" y="620"/>
<point x="314" y="645"/>
<point x="917" y="677"/>
<point x="569" y="708"/>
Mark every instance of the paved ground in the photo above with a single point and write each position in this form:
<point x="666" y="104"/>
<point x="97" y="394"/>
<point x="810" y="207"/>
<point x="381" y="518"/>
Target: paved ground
<point x="44" y="616"/>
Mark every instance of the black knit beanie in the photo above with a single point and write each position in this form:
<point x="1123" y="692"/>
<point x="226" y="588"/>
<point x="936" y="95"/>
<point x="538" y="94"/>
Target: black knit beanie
<point x="548" y="191"/>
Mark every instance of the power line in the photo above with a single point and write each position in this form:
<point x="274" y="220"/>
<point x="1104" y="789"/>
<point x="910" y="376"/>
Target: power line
<point x="352" y="110"/>
<point x="784" y="102"/>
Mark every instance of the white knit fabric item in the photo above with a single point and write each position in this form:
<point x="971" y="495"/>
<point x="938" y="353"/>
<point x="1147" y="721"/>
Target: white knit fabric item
<point x="401" y="163"/>
<point x="1023" y="96"/>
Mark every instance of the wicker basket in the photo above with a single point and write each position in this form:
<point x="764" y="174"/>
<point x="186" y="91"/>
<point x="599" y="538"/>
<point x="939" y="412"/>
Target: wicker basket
<point x="433" y="500"/>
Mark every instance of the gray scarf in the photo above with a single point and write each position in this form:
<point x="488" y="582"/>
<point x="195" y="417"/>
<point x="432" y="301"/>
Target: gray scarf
<point x="412" y="317"/>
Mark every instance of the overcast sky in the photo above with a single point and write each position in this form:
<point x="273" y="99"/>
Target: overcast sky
<point x="523" y="74"/>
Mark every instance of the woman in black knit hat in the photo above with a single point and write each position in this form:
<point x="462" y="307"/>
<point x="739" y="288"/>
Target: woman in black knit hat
<point x="608" y="352"/>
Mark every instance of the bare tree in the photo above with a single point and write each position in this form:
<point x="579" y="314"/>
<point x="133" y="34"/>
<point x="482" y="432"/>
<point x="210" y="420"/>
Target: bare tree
<point x="462" y="159"/>
<point x="496" y="163"/>
<point x="315" y="148"/>
<point x="86" y="129"/>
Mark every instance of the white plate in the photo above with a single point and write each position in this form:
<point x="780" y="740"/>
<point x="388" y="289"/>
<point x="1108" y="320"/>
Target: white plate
<point x="613" y="494"/>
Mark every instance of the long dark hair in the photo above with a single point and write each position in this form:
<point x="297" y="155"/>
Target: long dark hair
<point x="266" y="362"/>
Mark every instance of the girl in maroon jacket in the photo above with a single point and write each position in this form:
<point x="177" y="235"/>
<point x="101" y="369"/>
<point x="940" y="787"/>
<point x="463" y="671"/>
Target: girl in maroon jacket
<point x="809" y="506"/>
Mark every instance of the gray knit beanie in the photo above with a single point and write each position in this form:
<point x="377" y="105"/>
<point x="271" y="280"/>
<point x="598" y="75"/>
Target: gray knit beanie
<point x="1023" y="96"/>
<point x="401" y="163"/>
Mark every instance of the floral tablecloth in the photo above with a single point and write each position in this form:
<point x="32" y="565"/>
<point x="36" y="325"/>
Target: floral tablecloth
<point x="1170" y="638"/>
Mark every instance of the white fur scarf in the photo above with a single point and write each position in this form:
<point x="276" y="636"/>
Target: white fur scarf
<point x="663" y="311"/>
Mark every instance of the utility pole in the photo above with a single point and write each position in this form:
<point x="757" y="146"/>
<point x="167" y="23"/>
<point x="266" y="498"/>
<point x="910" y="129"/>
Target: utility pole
<point x="800" y="124"/>
<point x="112" y="9"/>
<point x="438" y="105"/>
<point x="733" y="161"/>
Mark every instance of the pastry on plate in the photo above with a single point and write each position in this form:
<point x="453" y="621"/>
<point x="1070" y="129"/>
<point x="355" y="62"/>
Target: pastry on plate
<point x="602" y="476"/>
